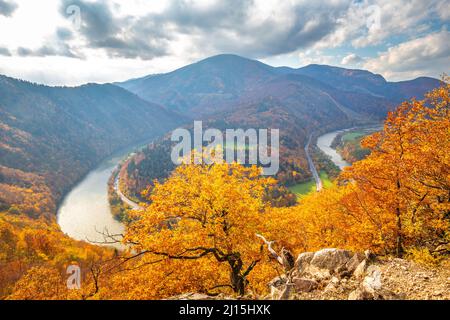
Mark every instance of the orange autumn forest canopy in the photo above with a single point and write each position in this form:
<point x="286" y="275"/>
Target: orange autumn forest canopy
<point x="199" y="232"/>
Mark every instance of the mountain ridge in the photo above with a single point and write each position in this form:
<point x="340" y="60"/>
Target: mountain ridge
<point x="221" y="81"/>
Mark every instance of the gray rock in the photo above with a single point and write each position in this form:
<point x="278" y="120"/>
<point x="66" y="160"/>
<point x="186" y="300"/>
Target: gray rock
<point x="278" y="282"/>
<point x="360" y="270"/>
<point x="372" y="282"/>
<point x="331" y="259"/>
<point x="354" y="262"/>
<point x="303" y="260"/>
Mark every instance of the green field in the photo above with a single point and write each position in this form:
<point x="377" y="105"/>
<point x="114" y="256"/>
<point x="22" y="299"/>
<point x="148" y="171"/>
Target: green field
<point x="353" y="135"/>
<point x="308" y="186"/>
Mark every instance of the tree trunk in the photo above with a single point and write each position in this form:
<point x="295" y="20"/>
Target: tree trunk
<point x="399" y="245"/>
<point x="238" y="282"/>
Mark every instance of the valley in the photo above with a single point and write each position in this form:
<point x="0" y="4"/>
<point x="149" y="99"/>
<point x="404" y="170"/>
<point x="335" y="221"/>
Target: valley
<point x="60" y="146"/>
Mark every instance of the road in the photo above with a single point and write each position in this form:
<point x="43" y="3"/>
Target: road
<point x="124" y="199"/>
<point x="312" y="168"/>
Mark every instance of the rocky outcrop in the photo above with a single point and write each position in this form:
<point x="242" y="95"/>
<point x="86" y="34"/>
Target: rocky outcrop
<point x="334" y="273"/>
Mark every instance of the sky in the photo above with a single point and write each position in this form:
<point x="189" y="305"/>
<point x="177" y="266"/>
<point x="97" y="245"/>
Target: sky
<point x="72" y="42"/>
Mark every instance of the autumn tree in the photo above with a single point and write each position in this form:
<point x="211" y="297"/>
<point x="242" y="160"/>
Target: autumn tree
<point x="205" y="212"/>
<point x="403" y="186"/>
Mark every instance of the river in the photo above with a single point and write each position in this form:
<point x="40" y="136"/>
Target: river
<point x="324" y="143"/>
<point x="85" y="212"/>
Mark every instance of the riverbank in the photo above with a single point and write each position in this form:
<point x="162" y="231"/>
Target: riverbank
<point x="85" y="213"/>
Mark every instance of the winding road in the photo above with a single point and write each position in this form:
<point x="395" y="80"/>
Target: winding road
<point x="124" y="199"/>
<point x="312" y="167"/>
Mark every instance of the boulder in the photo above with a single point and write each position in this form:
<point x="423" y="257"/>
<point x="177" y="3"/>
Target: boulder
<point x="360" y="270"/>
<point x="304" y="285"/>
<point x="277" y="287"/>
<point x="372" y="281"/>
<point x="331" y="259"/>
<point x="353" y="263"/>
<point x="303" y="260"/>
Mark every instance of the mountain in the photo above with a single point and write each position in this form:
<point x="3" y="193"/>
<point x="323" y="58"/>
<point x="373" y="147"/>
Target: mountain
<point x="223" y="82"/>
<point x="51" y="136"/>
<point x="217" y="81"/>
<point x="229" y="91"/>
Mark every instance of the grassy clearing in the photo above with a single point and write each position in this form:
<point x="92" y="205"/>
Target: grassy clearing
<point x="303" y="188"/>
<point x="326" y="181"/>
<point x="310" y="185"/>
<point x="353" y="135"/>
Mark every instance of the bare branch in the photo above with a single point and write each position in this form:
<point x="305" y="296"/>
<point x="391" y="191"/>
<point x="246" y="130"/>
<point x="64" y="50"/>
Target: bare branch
<point x="271" y="250"/>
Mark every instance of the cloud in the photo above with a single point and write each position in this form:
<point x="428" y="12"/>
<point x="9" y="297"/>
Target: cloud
<point x="59" y="49"/>
<point x="316" y="57"/>
<point x="368" y="23"/>
<point x="428" y="55"/>
<point x="7" y="8"/>
<point x="5" y="52"/>
<point x="159" y="36"/>
<point x="352" y="59"/>
<point x="127" y="36"/>
<point x="255" y="28"/>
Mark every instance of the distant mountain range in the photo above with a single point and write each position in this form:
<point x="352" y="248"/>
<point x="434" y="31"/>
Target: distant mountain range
<point x="51" y="136"/>
<point x="226" y="82"/>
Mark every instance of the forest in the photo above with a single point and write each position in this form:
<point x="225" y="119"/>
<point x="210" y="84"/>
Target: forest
<point x="200" y="230"/>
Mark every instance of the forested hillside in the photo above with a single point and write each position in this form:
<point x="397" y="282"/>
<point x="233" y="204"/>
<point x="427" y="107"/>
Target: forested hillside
<point x="51" y="136"/>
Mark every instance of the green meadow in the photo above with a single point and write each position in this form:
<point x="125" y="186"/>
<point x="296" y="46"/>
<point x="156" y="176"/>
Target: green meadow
<point x="310" y="185"/>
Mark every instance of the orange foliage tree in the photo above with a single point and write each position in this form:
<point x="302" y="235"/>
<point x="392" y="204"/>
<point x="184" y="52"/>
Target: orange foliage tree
<point x="206" y="212"/>
<point x="403" y="186"/>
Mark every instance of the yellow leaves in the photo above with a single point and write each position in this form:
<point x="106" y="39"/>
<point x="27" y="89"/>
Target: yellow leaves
<point x="398" y="194"/>
<point x="213" y="209"/>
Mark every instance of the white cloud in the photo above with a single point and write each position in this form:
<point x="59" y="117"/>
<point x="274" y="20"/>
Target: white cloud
<point x="428" y="55"/>
<point x="316" y="57"/>
<point x="352" y="60"/>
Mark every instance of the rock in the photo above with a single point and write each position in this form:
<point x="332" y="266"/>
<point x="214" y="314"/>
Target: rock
<point x="360" y="270"/>
<point x="275" y="293"/>
<point x="304" y="285"/>
<point x="277" y="286"/>
<point x="372" y="282"/>
<point x="359" y="294"/>
<point x="199" y="296"/>
<point x="370" y="256"/>
<point x="324" y="264"/>
<point x="278" y="282"/>
<point x="303" y="260"/>
<point x="288" y="292"/>
<point x="353" y="263"/>
<point x="438" y="293"/>
<point x="331" y="259"/>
